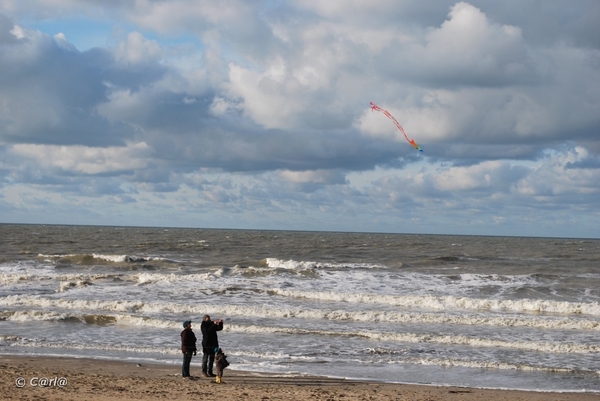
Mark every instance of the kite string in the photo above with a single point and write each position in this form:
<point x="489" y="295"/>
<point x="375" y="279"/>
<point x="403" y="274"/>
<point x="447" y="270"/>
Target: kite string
<point x="374" y="107"/>
<point x="318" y="233"/>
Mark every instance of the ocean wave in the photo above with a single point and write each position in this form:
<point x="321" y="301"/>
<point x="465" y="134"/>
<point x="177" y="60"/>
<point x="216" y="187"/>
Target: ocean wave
<point x="494" y="365"/>
<point x="537" y="346"/>
<point x="128" y="258"/>
<point x="26" y="316"/>
<point x="155" y="278"/>
<point x="101" y="258"/>
<point x="68" y="285"/>
<point x="92" y="319"/>
<point x="404" y="337"/>
<point x="139" y="350"/>
<point x="11" y="278"/>
<point x="449" y="302"/>
<point x="95" y="347"/>
<point x="269" y="360"/>
<point x="300" y="265"/>
<point x="467" y="319"/>
<point x="63" y="280"/>
<point x="9" y="338"/>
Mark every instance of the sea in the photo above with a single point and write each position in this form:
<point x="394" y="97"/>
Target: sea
<point x="475" y="311"/>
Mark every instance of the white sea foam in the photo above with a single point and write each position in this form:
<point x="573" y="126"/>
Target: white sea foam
<point x="486" y="365"/>
<point x="132" y="320"/>
<point x="124" y="319"/>
<point x="103" y="257"/>
<point x="294" y="264"/>
<point x="547" y="322"/>
<point x="124" y="258"/>
<point x="9" y="338"/>
<point x="97" y="347"/>
<point x="546" y="347"/>
<point x="427" y="338"/>
<point x="26" y="316"/>
<point x="450" y="302"/>
<point x="25" y="267"/>
<point x="67" y="285"/>
<point x="154" y="278"/>
<point x="10" y="278"/>
<point x="64" y="281"/>
<point x="117" y="319"/>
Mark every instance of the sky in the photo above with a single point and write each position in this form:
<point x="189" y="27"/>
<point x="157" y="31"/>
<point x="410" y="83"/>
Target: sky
<point x="255" y="115"/>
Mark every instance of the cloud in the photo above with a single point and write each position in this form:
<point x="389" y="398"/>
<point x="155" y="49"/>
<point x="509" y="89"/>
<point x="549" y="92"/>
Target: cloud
<point x="260" y="112"/>
<point x="50" y="93"/>
<point x="136" y="49"/>
<point x="468" y="49"/>
<point x="86" y="160"/>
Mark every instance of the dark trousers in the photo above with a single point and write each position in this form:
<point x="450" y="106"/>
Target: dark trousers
<point x="208" y="358"/>
<point x="185" y="368"/>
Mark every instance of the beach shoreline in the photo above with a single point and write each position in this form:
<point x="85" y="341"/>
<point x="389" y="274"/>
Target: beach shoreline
<point x="64" y="378"/>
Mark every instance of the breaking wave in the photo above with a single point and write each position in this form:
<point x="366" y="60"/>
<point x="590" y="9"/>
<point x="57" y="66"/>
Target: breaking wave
<point x="468" y="319"/>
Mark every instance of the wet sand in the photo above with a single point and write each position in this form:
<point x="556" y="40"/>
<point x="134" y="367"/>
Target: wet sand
<point x="50" y="379"/>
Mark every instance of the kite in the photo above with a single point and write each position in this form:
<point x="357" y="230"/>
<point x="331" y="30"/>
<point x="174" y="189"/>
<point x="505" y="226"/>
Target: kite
<point x="391" y="117"/>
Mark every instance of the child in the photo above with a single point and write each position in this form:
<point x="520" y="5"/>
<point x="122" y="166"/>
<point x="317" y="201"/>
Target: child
<point x="220" y="363"/>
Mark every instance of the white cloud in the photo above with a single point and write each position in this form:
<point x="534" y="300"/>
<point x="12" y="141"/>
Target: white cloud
<point x="136" y="49"/>
<point x="469" y="38"/>
<point x="557" y="176"/>
<point x="86" y="160"/>
<point x="311" y="177"/>
<point x="467" y="178"/>
<point x="268" y="98"/>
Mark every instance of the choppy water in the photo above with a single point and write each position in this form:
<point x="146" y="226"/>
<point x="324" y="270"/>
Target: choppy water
<point x="496" y="312"/>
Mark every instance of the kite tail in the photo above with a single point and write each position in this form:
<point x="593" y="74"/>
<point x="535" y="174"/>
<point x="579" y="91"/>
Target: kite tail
<point x="414" y="145"/>
<point x="389" y="115"/>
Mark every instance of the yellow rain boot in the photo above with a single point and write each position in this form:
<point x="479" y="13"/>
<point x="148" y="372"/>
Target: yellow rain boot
<point x="218" y="379"/>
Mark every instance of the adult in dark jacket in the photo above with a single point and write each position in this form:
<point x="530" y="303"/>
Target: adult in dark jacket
<point x="210" y="341"/>
<point x="188" y="347"/>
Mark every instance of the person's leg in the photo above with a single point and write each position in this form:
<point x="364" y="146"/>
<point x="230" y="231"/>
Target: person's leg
<point x="211" y="361"/>
<point x="185" y="368"/>
<point x="204" y="362"/>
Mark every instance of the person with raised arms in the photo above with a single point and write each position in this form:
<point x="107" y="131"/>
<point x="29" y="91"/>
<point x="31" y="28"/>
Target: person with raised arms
<point x="210" y="342"/>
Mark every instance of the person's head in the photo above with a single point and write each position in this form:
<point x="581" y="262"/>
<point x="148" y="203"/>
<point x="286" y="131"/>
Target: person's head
<point x="206" y="318"/>
<point x="187" y="324"/>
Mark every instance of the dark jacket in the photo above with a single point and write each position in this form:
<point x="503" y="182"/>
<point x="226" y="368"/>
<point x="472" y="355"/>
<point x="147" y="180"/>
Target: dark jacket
<point x="188" y="341"/>
<point x="209" y="334"/>
<point x="221" y="361"/>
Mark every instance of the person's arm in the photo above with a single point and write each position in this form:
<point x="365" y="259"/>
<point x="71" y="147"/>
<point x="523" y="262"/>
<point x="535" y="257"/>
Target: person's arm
<point x="183" y="341"/>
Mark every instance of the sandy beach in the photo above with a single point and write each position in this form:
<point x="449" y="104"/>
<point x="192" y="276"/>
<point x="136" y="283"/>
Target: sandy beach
<point x="45" y="378"/>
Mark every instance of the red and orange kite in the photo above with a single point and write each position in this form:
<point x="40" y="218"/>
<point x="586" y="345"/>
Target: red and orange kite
<point x="391" y="117"/>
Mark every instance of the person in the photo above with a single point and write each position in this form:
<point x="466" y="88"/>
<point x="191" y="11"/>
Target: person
<point x="220" y="363"/>
<point x="210" y="341"/>
<point x="188" y="348"/>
